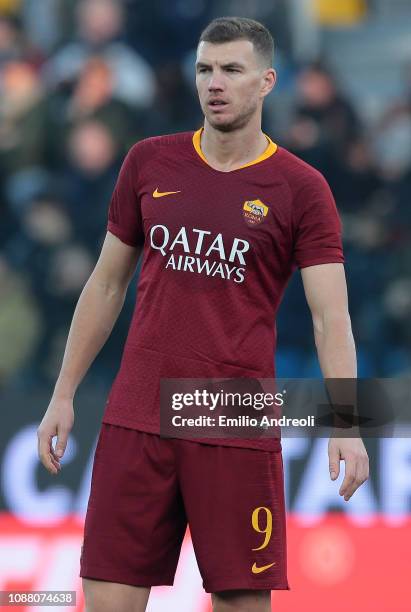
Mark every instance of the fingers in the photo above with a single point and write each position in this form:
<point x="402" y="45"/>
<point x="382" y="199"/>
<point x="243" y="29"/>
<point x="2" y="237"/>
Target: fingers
<point x="334" y="462"/>
<point x="62" y="437"/>
<point x="348" y="485"/>
<point x="55" y="463"/>
<point x="356" y="472"/>
<point x="49" y="456"/>
<point x="55" y="458"/>
<point x="57" y="422"/>
<point x="45" y="452"/>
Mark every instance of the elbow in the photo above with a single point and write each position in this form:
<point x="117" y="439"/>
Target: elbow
<point x="109" y="288"/>
<point x="336" y="322"/>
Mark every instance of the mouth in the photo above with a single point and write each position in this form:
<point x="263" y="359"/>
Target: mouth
<point x="217" y="105"/>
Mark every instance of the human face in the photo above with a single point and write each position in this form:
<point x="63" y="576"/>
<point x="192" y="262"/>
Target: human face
<point x="231" y="82"/>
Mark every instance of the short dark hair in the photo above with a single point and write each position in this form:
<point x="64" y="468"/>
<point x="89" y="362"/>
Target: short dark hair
<point x="227" y="29"/>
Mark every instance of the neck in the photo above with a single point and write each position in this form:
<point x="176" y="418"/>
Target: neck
<point x="230" y="150"/>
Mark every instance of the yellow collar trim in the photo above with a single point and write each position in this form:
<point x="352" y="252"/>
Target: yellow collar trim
<point x="270" y="150"/>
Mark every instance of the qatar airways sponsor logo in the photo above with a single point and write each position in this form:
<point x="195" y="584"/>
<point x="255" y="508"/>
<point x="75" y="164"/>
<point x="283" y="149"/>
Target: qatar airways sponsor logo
<point x="198" y="245"/>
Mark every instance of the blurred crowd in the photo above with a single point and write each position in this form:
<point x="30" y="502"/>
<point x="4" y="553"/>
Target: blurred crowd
<point x="80" y="82"/>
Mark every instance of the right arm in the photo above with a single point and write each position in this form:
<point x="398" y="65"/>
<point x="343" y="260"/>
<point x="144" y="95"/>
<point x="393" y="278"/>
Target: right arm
<point x="96" y="312"/>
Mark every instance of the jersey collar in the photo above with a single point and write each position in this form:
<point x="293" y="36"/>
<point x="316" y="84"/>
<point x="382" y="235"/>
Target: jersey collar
<point x="270" y="150"/>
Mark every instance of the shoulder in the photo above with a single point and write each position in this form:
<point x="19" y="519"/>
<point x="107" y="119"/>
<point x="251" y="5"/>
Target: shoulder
<point x="309" y="191"/>
<point x="157" y="148"/>
<point x="158" y="145"/>
<point x="298" y="174"/>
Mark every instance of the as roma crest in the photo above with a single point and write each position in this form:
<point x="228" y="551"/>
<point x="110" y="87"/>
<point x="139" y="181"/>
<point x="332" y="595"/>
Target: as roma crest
<point x="254" y="212"/>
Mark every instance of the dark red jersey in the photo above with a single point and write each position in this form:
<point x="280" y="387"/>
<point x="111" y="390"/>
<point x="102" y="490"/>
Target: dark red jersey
<point x="219" y="249"/>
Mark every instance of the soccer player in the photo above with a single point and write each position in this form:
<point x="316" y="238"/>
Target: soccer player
<point x="222" y="216"/>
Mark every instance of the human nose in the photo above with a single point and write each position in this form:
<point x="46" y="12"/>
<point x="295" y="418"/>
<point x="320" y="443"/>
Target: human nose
<point x="216" y="82"/>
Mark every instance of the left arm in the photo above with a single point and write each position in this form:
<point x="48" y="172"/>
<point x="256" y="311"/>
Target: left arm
<point x="326" y="292"/>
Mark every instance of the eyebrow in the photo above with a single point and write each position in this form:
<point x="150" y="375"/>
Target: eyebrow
<point x="228" y="65"/>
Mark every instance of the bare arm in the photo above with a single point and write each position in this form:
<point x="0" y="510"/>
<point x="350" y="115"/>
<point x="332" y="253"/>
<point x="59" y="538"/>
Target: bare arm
<point x="96" y="312"/>
<point x="326" y="292"/>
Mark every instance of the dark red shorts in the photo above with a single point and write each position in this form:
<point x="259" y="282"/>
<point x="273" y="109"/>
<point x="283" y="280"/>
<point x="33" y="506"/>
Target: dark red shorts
<point x="145" y="489"/>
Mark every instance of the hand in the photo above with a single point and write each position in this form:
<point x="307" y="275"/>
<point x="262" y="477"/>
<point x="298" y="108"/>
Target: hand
<point x="57" y="421"/>
<point x="352" y="451"/>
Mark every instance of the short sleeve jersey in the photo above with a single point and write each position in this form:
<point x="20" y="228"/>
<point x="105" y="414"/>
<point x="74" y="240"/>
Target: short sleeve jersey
<point x="218" y="251"/>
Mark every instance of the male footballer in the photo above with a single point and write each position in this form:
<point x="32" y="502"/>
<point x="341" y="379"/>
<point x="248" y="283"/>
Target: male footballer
<point x="222" y="217"/>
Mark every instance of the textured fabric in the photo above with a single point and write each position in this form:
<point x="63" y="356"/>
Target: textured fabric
<point x="145" y="489"/>
<point x="217" y="257"/>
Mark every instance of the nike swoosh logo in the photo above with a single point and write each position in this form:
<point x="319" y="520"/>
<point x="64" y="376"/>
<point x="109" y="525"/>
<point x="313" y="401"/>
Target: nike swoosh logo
<point x="258" y="570"/>
<point x="161" y="194"/>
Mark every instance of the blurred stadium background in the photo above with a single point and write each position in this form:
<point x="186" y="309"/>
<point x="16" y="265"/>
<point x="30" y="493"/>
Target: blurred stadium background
<point x="80" y="82"/>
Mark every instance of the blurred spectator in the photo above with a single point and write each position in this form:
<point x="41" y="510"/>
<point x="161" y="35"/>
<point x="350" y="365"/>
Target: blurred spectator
<point x="93" y="161"/>
<point x="355" y="176"/>
<point x="48" y="248"/>
<point x="100" y="31"/>
<point x="326" y="132"/>
<point x="320" y="100"/>
<point x="14" y="43"/>
<point x="23" y="132"/>
<point x="11" y="47"/>
<point x="58" y="269"/>
<point x="392" y="145"/>
<point x="361" y="174"/>
<point x="397" y="302"/>
<point x="20" y="323"/>
<point x="93" y="89"/>
<point x="41" y="22"/>
<point x="175" y="103"/>
<point x="23" y="117"/>
<point x="92" y="98"/>
<point x="68" y="272"/>
<point x="392" y="142"/>
<point x="305" y="139"/>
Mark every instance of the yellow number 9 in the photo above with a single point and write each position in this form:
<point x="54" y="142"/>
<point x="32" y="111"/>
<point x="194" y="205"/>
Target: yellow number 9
<point x="268" y="529"/>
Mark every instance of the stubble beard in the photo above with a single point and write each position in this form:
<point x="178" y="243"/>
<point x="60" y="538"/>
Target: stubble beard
<point x="237" y="123"/>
